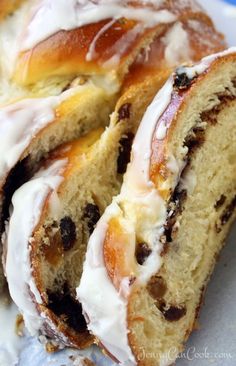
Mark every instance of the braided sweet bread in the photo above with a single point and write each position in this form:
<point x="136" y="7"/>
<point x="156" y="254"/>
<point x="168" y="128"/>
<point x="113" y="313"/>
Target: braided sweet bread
<point x="96" y="45"/>
<point x="59" y="82"/>
<point x="73" y="93"/>
<point x="68" y="76"/>
<point x="73" y="72"/>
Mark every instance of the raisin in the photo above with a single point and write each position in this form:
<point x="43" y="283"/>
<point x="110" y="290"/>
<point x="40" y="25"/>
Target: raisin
<point x="181" y="79"/>
<point x="172" y="313"/>
<point x="175" y="208"/>
<point x="92" y="214"/>
<point x="124" y="153"/>
<point x="64" y="305"/>
<point x="157" y="287"/>
<point x="124" y="112"/>
<point x="87" y="362"/>
<point x="142" y="252"/>
<point x="220" y="202"/>
<point x="68" y="232"/>
<point x="51" y="348"/>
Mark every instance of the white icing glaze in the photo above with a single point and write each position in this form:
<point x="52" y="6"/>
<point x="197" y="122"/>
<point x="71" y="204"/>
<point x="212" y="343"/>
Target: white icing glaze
<point x="120" y="47"/>
<point x="50" y="16"/>
<point x="96" y="307"/>
<point x="177" y="48"/>
<point x="204" y="64"/>
<point x="10" y="39"/>
<point x="19" y="124"/>
<point x="10" y="342"/>
<point x="28" y="202"/>
<point x="107" y="319"/>
<point x="161" y="132"/>
<point x="137" y="176"/>
<point x="92" y="48"/>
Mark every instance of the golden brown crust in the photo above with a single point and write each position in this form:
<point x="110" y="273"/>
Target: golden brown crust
<point x="65" y="52"/>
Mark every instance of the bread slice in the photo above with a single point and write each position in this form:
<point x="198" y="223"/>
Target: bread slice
<point x="31" y="128"/>
<point x="153" y="250"/>
<point x="56" y="242"/>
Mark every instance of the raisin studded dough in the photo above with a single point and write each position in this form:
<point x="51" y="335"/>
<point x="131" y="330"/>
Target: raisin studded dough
<point x="60" y="239"/>
<point x="198" y="193"/>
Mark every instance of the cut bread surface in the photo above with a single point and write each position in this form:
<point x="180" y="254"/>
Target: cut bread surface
<point x="158" y="241"/>
<point x="58" y="242"/>
<point x="33" y="127"/>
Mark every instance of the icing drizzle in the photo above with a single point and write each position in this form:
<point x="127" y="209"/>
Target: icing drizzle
<point x="49" y="17"/>
<point x="28" y="202"/>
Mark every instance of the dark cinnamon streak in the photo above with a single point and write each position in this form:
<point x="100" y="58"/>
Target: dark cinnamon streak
<point x="220" y="202"/>
<point x="124" y="112"/>
<point x="124" y="152"/>
<point x="20" y="174"/>
<point x="194" y="140"/>
<point x="226" y="215"/>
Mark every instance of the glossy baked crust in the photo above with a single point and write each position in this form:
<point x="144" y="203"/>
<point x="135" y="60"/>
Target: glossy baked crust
<point x="64" y="53"/>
